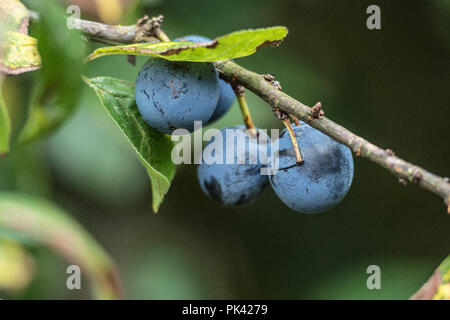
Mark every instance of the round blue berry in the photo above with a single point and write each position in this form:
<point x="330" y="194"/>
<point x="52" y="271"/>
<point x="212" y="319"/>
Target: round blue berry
<point x="227" y="95"/>
<point x="172" y="95"/>
<point x="321" y="181"/>
<point x="240" y="181"/>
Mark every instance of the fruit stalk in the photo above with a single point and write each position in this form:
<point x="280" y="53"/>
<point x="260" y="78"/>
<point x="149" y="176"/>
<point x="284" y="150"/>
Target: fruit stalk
<point x="298" y="155"/>
<point x="163" y="36"/>
<point x="240" y="95"/>
<point x="295" y="119"/>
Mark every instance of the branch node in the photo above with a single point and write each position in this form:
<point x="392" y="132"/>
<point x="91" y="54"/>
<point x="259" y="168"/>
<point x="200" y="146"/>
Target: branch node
<point x="238" y="90"/>
<point x="316" y="112"/>
<point x="148" y="28"/>
<point x="279" y="114"/>
<point x="390" y="152"/>
<point x="403" y="182"/>
<point x="417" y="177"/>
<point x="271" y="78"/>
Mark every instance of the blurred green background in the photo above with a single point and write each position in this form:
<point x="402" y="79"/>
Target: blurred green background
<point x="390" y="86"/>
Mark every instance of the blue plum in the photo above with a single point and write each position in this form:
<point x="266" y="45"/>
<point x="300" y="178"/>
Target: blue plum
<point x="172" y="95"/>
<point x="226" y="99"/>
<point x="322" y="180"/>
<point x="194" y="38"/>
<point x="227" y="95"/>
<point x="240" y="181"/>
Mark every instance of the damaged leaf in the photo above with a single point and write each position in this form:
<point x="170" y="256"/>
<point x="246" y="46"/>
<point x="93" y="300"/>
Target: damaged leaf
<point x="18" y="51"/>
<point x="234" y="45"/>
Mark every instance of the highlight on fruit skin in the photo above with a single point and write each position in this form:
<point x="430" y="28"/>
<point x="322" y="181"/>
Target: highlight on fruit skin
<point x="324" y="178"/>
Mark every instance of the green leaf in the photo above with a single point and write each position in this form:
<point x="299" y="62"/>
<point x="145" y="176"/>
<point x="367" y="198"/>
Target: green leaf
<point x="234" y="45"/>
<point x="5" y="125"/>
<point x="50" y="226"/>
<point x="16" y="266"/>
<point x="57" y="85"/>
<point x="18" y="51"/>
<point x="153" y="148"/>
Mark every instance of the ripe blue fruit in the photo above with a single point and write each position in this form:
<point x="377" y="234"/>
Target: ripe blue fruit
<point x="172" y="95"/>
<point x="227" y="95"/>
<point x="322" y="180"/>
<point x="239" y="182"/>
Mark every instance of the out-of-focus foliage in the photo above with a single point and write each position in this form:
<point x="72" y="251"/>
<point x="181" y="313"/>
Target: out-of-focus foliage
<point x="443" y="291"/>
<point x="5" y="124"/>
<point x="231" y="46"/>
<point x="153" y="148"/>
<point x="18" y="51"/>
<point x="56" y="88"/>
<point x="14" y="14"/>
<point x="120" y="178"/>
<point x="49" y="226"/>
<point x="16" y="266"/>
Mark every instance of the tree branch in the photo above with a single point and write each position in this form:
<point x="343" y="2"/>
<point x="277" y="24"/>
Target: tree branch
<point x="403" y="170"/>
<point x="258" y="84"/>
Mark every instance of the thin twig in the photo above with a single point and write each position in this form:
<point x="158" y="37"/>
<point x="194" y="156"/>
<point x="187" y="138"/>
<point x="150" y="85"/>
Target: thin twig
<point x="256" y="83"/>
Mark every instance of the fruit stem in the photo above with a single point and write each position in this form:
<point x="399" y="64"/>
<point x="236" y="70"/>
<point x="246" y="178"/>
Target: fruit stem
<point x="298" y="155"/>
<point x="163" y="36"/>
<point x="295" y="119"/>
<point x="240" y="94"/>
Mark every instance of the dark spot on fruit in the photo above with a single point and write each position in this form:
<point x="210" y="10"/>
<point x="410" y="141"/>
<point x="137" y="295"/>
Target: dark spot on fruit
<point x="251" y="171"/>
<point x="322" y="164"/>
<point x="242" y="199"/>
<point x="213" y="188"/>
<point x="160" y="110"/>
<point x="287" y="152"/>
<point x="146" y="94"/>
